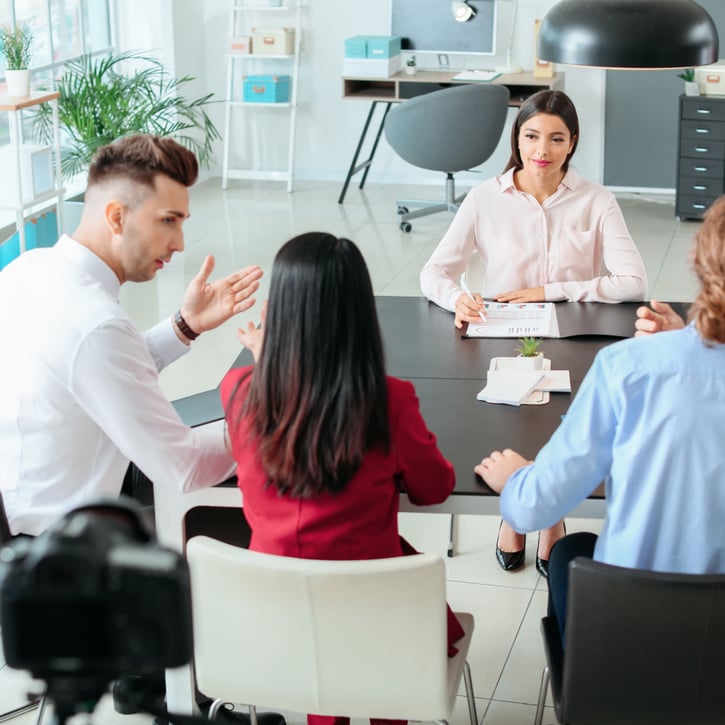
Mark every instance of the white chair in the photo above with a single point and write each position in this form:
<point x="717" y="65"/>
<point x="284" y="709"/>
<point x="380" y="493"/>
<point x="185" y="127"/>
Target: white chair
<point x="349" y="638"/>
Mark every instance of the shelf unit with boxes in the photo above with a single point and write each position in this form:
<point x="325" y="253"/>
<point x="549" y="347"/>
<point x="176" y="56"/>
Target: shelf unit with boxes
<point x="262" y="68"/>
<point x="701" y="158"/>
<point x="33" y="175"/>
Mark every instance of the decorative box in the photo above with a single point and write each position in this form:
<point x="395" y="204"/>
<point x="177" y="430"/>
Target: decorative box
<point x="371" y="68"/>
<point x="273" y="41"/>
<point x="711" y="79"/>
<point x="356" y="47"/>
<point x="384" y="46"/>
<point x="265" y="89"/>
<point x="241" y="44"/>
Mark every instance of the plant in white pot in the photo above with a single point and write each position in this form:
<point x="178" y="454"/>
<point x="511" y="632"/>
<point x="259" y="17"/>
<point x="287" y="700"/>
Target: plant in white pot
<point x="410" y="66"/>
<point x="529" y="355"/>
<point x="692" y="87"/>
<point x="16" y="44"/>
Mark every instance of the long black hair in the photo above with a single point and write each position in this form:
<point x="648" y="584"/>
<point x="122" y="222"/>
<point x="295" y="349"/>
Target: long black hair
<point x="318" y="396"/>
<point x="555" y="103"/>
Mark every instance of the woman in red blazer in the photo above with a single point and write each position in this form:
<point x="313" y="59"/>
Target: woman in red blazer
<point x="323" y="439"/>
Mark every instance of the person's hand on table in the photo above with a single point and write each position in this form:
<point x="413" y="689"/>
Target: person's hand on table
<point x="206" y="305"/>
<point x="498" y="466"/>
<point x="468" y="310"/>
<point x="530" y="294"/>
<point x="253" y="336"/>
<point x="658" y="318"/>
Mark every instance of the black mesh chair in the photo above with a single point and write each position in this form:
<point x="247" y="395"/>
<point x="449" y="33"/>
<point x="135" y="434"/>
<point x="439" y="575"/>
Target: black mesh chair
<point x="642" y="648"/>
<point x="450" y="130"/>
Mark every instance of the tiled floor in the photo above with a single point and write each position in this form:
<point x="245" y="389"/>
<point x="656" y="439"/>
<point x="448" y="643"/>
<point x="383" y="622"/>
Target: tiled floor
<point x="246" y="225"/>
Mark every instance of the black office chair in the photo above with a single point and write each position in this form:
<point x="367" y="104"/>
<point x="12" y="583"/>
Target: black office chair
<point x="450" y="130"/>
<point x="642" y="648"/>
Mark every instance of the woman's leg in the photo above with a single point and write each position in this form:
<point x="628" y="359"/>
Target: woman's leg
<point x="564" y="551"/>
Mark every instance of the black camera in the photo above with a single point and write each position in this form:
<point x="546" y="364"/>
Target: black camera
<point x="92" y="598"/>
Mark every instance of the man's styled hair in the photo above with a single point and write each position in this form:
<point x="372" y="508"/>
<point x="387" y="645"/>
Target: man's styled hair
<point x="139" y="158"/>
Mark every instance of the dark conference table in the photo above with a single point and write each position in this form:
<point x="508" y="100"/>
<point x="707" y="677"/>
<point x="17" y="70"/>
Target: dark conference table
<point x="448" y="370"/>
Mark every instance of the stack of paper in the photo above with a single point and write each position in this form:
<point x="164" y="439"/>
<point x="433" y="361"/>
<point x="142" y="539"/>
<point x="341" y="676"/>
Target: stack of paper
<point x="510" y="386"/>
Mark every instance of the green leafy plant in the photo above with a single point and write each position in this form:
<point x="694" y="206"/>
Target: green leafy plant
<point x="16" y="44"/>
<point x="99" y="103"/>
<point x="529" y="346"/>
<point x="411" y="61"/>
<point x="687" y="75"/>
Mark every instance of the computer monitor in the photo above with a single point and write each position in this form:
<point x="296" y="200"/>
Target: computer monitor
<point x="428" y="26"/>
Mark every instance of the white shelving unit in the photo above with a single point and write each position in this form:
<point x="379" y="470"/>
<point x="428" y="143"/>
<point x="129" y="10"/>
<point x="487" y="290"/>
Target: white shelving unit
<point x="246" y="15"/>
<point x="28" y="202"/>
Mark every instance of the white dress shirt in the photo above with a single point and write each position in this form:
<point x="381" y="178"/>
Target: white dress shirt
<point x="576" y="244"/>
<point x="79" y="393"/>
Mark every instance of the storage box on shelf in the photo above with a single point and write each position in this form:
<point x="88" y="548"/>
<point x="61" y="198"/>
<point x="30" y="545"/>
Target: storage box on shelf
<point x="701" y="159"/>
<point x="262" y="74"/>
<point x="266" y="89"/>
<point x="372" y="56"/>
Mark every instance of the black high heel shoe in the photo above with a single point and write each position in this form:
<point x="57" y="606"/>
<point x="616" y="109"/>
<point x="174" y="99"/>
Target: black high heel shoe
<point x="542" y="565"/>
<point x="510" y="560"/>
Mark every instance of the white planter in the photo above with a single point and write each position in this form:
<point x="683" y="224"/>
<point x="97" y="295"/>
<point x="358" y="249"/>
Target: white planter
<point x="410" y="70"/>
<point x="18" y="82"/>
<point x="692" y="88"/>
<point x="529" y="363"/>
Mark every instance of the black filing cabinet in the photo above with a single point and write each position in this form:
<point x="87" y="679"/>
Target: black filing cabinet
<point x="701" y="160"/>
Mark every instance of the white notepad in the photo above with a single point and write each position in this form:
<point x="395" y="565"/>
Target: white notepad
<point x="510" y="387"/>
<point x="483" y="76"/>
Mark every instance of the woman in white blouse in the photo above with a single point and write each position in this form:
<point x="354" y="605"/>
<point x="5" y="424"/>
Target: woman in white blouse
<point x="543" y="234"/>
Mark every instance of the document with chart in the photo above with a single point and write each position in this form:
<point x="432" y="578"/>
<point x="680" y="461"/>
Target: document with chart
<point x="528" y="319"/>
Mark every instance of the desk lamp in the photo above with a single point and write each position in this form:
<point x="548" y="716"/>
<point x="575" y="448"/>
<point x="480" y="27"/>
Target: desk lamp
<point x="634" y="34"/>
<point x="462" y="11"/>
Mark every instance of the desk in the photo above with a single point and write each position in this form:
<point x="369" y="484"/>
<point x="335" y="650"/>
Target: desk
<point x="401" y="87"/>
<point x="423" y="346"/>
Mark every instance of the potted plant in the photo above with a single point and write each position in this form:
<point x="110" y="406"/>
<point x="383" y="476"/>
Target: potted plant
<point x="691" y="86"/>
<point x="529" y="355"/>
<point x="16" y="44"/>
<point x="100" y="102"/>
<point x="410" y="65"/>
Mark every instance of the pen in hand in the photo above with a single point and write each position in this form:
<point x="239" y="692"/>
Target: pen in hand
<point x="473" y="299"/>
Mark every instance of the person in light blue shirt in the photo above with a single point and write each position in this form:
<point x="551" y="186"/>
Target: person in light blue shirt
<point x="648" y="421"/>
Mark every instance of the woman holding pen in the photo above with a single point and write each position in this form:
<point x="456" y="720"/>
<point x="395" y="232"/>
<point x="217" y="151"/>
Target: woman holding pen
<point x="543" y="234"/>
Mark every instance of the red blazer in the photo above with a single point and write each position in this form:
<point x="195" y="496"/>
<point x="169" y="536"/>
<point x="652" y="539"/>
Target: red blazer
<point x="360" y="522"/>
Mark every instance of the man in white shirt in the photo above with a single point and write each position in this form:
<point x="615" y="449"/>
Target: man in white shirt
<point x="79" y="393"/>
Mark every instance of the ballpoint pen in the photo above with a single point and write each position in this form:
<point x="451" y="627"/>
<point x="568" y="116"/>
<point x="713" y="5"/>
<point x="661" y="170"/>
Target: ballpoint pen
<point x="473" y="299"/>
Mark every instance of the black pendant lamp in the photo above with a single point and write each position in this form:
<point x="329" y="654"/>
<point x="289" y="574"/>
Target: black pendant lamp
<point x="643" y="34"/>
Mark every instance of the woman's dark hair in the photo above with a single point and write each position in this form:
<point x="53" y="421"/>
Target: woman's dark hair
<point x="318" y="395"/>
<point x="555" y="103"/>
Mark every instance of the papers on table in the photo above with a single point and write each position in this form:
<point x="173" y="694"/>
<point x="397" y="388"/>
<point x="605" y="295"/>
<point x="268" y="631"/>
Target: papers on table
<point x="476" y="75"/>
<point x="507" y="384"/>
<point x="529" y="319"/>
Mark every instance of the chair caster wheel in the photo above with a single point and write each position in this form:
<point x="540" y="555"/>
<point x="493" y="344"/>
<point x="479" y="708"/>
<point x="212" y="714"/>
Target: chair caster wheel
<point x="405" y="226"/>
<point x="402" y="210"/>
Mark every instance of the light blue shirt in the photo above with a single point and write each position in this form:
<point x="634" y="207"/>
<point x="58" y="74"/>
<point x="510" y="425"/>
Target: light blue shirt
<point x="649" y="421"/>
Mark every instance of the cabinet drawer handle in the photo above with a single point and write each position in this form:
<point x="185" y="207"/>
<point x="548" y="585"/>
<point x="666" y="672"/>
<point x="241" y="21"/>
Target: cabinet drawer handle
<point x="699" y="187"/>
<point x="704" y="111"/>
<point x="702" y="130"/>
<point x="702" y="149"/>
<point x="700" y="168"/>
<point x="699" y="206"/>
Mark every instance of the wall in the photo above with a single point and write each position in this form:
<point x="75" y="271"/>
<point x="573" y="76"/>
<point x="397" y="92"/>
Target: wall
<point x="641" y="121"/>
<point x="328" y="127"/>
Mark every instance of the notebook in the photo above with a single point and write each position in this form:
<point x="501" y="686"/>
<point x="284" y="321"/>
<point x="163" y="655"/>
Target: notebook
<point x="510" y="387"/>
